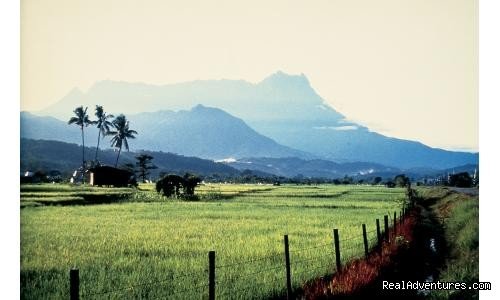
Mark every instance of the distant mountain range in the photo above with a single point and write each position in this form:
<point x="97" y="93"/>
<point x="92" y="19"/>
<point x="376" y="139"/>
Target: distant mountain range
<point x="65" y="157"/>
<point x="285" y="117"/>
<point x="205" y="132"/>
<point x="293" y="167"/>
<point x="202" y="131"/>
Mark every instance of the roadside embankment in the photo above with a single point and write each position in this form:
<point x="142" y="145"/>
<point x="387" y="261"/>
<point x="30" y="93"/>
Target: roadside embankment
<point x="458" y="213"/>
<point x="439" y="241"/>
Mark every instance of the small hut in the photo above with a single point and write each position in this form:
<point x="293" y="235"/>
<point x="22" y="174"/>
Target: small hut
<point x="105" y="175"/>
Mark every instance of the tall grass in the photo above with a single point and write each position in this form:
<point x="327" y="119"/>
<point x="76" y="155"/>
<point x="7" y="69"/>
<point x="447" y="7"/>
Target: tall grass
<point x="460" y="214"/>
<point x="158" y="249"/>
<point x="65" y="194"/>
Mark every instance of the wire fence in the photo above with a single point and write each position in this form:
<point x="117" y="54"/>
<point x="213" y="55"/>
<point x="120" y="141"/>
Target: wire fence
<point x="271" y="275"/>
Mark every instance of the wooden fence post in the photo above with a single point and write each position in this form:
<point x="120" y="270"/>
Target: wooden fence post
<point x="74" y="284"/>
<point x="337" y="248"/>
<point x="395" y="224"/>
<point x="289" y="295"/>
<point x="211" y="275"/>
<point x="379" y="236"/>
<point x="386" y="228"/>
<point x="365" y="240"/>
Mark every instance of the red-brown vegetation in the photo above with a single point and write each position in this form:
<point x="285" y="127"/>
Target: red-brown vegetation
<point x="361" y="272"/>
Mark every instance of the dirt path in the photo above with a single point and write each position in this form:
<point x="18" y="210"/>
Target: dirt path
<point x="467" y="191"/>
<point x="419" y="259"/>
<point x="419" y="262"/>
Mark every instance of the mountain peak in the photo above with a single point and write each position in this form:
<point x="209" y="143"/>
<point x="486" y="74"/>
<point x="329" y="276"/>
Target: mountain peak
<point x="199" y="107"/>
<point x="207" y="110"/>
<point x="281" y="78"/>
<point x="75" y="93"/>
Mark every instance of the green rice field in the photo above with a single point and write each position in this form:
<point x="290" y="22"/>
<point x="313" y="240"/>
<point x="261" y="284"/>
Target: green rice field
<point x="137" y="244"/>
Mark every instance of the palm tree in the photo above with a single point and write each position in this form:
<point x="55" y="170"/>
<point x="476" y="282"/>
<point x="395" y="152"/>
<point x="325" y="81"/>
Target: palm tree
<point x="81" y="119"/>
<point x="102" y="124"/>
<point x="121" y="134"/>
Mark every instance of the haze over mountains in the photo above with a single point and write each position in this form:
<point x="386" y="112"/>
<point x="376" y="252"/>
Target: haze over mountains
<point x="65" y="157"/>
<point x="282" y="116"/>
<point x="202" y="131"/>
<point x="49" y="155"/>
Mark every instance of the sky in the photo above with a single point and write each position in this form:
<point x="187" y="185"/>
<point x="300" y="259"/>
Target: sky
<point x="404" y="68"/>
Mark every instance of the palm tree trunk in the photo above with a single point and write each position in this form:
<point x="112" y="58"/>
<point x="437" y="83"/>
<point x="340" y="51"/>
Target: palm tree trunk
<point x="117" y="157"/>
<point x="83" y="149"/>
<point x="98" y="140"/>
<point x="83" y="157"/>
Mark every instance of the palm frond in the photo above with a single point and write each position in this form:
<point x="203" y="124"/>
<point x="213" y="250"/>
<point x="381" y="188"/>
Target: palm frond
<point x="121" y="132"/>
<point x="73" y="120"/>
<point x="99" y="111"/>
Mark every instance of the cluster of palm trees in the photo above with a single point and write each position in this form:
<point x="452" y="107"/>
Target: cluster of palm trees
<point x="117" y="128"/>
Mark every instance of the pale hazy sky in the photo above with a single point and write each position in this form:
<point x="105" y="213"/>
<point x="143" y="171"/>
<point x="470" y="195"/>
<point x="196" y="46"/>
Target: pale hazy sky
<point x="404" y="68"/>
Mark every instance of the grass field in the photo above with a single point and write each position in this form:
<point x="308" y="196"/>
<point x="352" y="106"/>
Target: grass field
<point x="145" y="246"/>
<point x="460" y="219"/>
<point x="65" y="194"/>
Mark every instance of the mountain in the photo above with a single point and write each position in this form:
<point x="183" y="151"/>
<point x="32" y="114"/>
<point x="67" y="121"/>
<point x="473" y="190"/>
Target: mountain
<point x="282" y="107"/>
<point x="470" y="168"/>
<point x="202" y="132"/>
<point x="278" y="97"/>
<point x="292" y="167"/>
<point x="49" y="128"/>
<point x="320" y="168"/>
<point x="205" y="132"/>
<point x="66" y="157"/>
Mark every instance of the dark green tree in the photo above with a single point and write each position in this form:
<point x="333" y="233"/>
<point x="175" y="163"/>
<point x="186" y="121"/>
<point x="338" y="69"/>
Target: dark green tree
<point x="377" y="180"/>
<point x="103" y="125"/>
<point x="170" y="185"/>
<point x="190" y="182"/>
<point x="401" y="180"/>
<point x="81" y="119"/>
<point x="143" y="165"/>
<point x="463" y="180"/>
<point x="129" y="167"/>
<point x="162" y="174"/>
<point x="347" y="180"/>
<point x="121" y="134"/>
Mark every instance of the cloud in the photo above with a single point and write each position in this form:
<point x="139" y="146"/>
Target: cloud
<point x="343" y="128"/>
<point x="322" y="107"/>
<point x="226" y="160"/>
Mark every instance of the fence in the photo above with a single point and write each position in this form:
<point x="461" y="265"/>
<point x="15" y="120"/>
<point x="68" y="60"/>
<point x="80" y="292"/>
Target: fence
<point x="281" y="269"/>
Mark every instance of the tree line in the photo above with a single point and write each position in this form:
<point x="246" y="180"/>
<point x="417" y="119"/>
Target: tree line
<point x="118" y="129"/>
<point x="120" y="132"/>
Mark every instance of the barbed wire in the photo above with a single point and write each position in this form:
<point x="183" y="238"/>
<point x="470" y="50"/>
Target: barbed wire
<point x="356" y="246"/>
<point x="350" y="238"/>
<point x="353" y="242"/>
<point x="229" y="282"/>
<point x="311" y="248"/>
<point x="351" y="246"/>
<point x="143" y="284"/>
<point x="349" y="256"/>
<point x="325" y="267"/>
<point x="278" y="278"/>
<point x="242" y="275"/>
<point x="317" y="258"/>
<point x="182" y="291"/>
<point x="240" y="292"/>
<point x="234" y="263"/>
